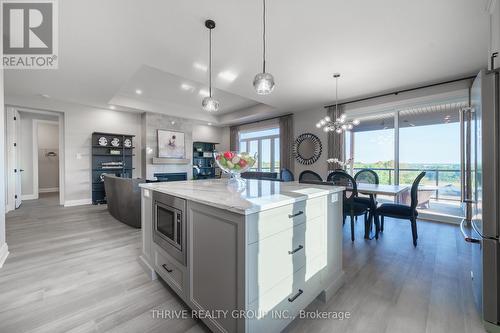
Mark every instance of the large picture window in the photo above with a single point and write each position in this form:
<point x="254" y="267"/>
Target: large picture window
<point x="264" y="142"/>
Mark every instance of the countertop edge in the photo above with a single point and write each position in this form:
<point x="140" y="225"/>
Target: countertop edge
<point x="325" y="190"/>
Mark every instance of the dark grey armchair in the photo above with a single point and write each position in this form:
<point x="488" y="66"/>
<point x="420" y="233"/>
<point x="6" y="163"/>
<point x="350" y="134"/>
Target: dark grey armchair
<point x="123" y="196"/>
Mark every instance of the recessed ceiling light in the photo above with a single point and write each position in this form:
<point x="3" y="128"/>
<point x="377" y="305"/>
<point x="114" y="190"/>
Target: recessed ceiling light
<point x="173" y="122"/>
<point x="138" y="91"/>
<point x="200" y="67"/>
<point x="112" y="107"/>
<point x="204" y="92"/>
<point x="209" y="124"/>
<point x="228" y="76"/>
<point x="45" y="95"/>
<point x="187" y="87"/>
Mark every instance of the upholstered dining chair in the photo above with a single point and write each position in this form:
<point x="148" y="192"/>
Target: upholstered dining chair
<point x="308" y="175"/>
<point x="400" y="211"/>
<point x="367" y="176"/>
<point x="351" y="207"/>
<point x="286" y="175"/>
<point x="328" y="178"/>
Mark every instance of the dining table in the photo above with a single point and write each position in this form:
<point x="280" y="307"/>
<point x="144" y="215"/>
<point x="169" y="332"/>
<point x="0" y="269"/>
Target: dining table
<point x="395" y="191"/>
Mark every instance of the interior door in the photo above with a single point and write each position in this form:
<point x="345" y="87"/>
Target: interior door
<point x="17" y="160"/>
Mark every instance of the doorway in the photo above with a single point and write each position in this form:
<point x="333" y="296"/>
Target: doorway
<point x="35" y="157"/>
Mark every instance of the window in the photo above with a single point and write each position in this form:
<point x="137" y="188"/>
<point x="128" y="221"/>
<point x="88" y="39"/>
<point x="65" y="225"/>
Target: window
<point x="264" y="142"/>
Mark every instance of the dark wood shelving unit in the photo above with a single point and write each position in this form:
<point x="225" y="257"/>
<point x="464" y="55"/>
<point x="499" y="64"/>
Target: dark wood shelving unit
<point x="102" y="154"/>
<point x="205" y="163"/>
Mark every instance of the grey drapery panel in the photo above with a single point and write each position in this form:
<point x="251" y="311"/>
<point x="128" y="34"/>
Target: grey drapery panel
<point x="233" y="138"/>
<point x="286" y="142"/>
<point x="335" y="140"/>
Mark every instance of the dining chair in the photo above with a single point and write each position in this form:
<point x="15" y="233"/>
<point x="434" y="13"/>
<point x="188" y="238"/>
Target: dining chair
<point x="286" y="175"/>
<point x="351" y="208"/>
<point x="328" y="178"/>
<point x="368" y="176"/>
<point x="400" y="211"/>
<point x="308" y="175"/>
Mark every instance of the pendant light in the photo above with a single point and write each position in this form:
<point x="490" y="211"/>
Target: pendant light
<point x="209" y="103"/>
<point x="263" y="82"/>
<point x="340" y="124"/>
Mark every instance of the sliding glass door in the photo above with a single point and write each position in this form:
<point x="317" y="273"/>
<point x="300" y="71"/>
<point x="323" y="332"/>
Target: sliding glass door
<point x="399" y="145"/>
<point x="371" y="146"/>
<point x="429" y="140"/>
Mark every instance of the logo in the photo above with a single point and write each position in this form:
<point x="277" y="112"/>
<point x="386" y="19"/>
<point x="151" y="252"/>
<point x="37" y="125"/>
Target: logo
<point x="30" y="39"/>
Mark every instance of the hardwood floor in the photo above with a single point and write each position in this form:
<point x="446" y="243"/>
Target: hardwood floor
<point x="76" y="270"/>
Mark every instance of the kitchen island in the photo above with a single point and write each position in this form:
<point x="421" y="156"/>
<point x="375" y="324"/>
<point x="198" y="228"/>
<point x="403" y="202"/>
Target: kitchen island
<point x="247" y="260"/>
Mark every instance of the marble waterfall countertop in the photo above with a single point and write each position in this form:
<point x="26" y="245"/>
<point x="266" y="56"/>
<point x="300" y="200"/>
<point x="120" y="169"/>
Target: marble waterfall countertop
<point x="258" y="195"/>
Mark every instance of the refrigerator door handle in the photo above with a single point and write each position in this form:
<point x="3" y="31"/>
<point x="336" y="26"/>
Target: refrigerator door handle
<point x="465" y="115"/>
<point x="467" y="238"/>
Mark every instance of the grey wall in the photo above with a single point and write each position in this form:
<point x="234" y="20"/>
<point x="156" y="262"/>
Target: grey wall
<point x="305" y="122"/>
<point x="48" y="166"/>
<point x="152" y="122"/>
<point x="25" y="146"/>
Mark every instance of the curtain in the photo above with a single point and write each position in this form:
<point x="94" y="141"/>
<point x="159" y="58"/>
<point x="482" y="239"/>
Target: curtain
<point x="234" y="138"/>
<point x="335" y="140"/>
<point x="286" y="142"/>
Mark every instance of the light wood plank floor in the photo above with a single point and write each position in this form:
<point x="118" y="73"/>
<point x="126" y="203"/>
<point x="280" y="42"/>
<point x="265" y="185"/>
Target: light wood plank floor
<point x="75" y="270"/>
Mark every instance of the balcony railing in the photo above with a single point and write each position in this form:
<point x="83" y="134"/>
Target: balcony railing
<point x="446" y="181"/>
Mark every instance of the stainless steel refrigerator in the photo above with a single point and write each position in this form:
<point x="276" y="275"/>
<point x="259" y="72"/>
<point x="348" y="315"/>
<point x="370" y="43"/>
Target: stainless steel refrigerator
<point x="480" y="134"/>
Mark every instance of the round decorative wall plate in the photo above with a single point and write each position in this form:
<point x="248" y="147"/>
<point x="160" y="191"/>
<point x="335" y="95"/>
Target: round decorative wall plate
<point x="115" y="142"/>
<point x="127" y="143"/>
<point x="307" y="148"/>
<point x="103" y="141"/>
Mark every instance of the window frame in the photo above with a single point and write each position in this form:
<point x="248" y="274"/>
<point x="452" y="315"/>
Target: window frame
<point x="259" y="140"/>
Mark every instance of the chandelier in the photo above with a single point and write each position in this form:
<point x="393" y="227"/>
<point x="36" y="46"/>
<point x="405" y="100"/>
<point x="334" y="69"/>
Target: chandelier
<point x="340" y="124"/>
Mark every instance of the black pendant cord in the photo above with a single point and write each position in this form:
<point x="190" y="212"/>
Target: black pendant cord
<point x="264" y="36"/>
<point x="336" y="96"/>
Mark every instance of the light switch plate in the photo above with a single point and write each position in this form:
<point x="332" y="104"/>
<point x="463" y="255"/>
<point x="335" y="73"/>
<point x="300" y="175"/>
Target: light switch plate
<point x="78" y="156"/>
<point x="335" y="197"/>
<point x="147" y="194"/>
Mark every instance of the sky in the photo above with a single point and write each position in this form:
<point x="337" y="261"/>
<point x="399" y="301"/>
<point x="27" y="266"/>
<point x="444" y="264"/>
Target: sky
<point x="438" y="143"/>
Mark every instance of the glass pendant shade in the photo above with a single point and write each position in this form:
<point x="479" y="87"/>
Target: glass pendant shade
<point x="210" y="104"/>
<point x="263" y="83"/>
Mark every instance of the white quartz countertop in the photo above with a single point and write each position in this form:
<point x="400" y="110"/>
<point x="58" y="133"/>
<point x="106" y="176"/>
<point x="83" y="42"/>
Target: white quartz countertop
<point x="258" y="195"/>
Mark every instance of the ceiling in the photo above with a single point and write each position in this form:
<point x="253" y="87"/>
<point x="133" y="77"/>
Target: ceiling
<point x="109" y="49"/>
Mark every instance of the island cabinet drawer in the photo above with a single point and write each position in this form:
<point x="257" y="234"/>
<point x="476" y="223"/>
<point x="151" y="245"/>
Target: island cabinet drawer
<point x="278" y="306"/>
<point x="269" y="222"/>
<point x="172" y="272"/>
<point x="281" y="255"/>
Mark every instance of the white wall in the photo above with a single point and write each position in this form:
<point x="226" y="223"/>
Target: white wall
<point x="48" y="166"/>
<point x="79" y="123"/>
<point x="494" y="43"/>
<point x="25" y="148"/>
<point x="305" y="122"/>
<point x="3" y="245"/>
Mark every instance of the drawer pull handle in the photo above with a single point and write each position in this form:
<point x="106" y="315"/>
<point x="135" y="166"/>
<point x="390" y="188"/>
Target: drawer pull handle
<point x="290" y="216"/>
<point x="167" y="269"/>
<point x="294" y="297"/>
<point x="296" y="250"/>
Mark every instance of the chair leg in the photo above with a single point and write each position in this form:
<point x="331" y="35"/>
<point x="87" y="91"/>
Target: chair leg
<point x="414" y="230"/>
<point x="377" y="224"/>
<point x="352" y="227"/>
<point x="381" y="223"/>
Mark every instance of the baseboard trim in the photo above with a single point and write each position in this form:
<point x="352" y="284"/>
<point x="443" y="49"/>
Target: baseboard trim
<point x="48" y="190"/>
<point x="328" y="293"/>
<point x="29" y="197"/>
<point x="147" y="268"/>
<point x="81" y="202"/>
<point x="4" y="252"/>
